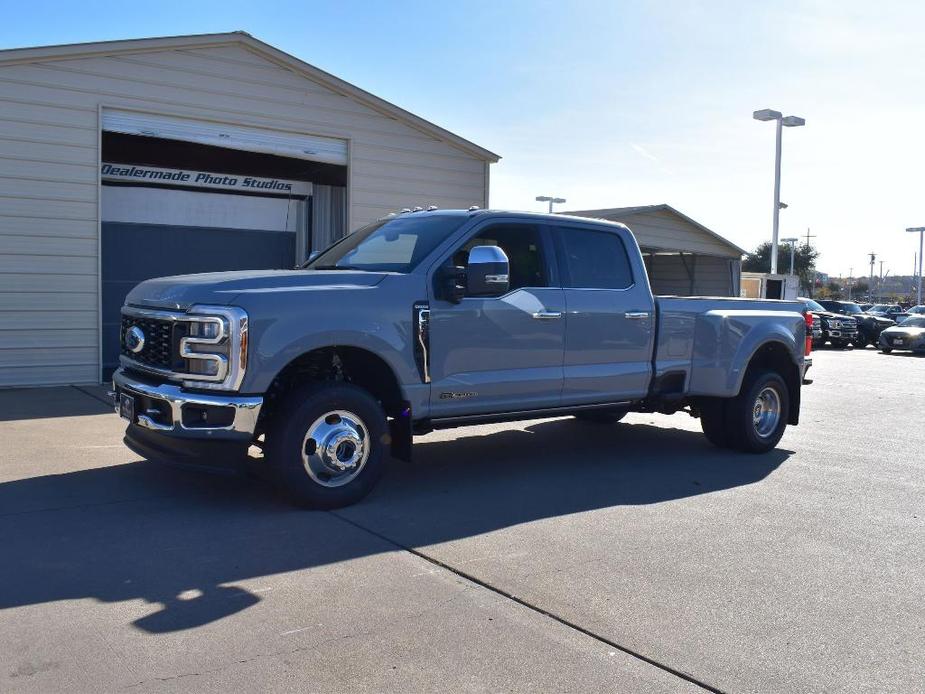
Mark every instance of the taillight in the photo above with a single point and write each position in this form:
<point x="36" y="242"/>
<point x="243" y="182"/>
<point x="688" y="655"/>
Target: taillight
<point x="809" y="334"/>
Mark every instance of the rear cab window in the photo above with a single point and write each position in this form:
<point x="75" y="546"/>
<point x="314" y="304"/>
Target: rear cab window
<point x="593" y="259"/>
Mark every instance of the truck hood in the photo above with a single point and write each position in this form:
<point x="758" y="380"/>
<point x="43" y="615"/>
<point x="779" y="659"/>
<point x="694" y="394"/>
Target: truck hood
<point x="828" y="315"/>
<point x="221" y="288"/>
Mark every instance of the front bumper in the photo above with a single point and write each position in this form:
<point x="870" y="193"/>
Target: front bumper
<point x="841" y="334"/>
<point x="910" y="344"/>
<point x="170" y="411"/>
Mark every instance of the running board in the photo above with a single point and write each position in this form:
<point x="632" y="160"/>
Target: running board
<point x="491" y="417"/>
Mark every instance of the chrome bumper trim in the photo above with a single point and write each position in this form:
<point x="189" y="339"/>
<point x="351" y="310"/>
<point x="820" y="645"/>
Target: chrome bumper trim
<point x="246" y="409"/>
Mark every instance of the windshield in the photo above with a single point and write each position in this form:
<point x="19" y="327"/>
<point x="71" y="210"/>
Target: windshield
<point x="882" y="308"/>
<point x="851" y="309"/>
<point x="914" y="322"/>
<point x="395" y="244"/>
<point x="917" y="309"/>
<point x="812" y="305"/>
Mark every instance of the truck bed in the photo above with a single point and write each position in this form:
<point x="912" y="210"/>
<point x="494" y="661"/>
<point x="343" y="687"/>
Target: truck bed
<point x="710" y="339"/>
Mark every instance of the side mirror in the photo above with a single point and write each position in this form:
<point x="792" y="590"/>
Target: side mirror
<point x="488" y="272"/>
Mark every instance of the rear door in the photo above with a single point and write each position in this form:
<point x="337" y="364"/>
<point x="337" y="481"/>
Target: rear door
<point x="610" y="316"/>
<point x="499" y="354"/>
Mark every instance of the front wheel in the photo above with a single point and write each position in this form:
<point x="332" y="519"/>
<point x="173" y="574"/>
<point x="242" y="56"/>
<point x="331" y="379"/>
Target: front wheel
<point x="885" y="350"/>
<point x="861" y="342"/>
<point x="327" y="443"/>
<point x="757" y="416"/>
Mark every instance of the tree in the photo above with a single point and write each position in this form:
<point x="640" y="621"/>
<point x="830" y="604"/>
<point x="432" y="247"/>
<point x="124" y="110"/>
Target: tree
<point x="804" y="261"/>
<point x="859" y="290"/>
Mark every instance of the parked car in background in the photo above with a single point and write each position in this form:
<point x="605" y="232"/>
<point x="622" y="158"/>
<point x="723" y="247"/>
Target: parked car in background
<point x="908" y="336"/>
<point x="837" y="329"/>
<point x="865" y="307"/>
<point x="892" y="311"/>
<point x="917" y="310"/>
<point x="869" y="325"/>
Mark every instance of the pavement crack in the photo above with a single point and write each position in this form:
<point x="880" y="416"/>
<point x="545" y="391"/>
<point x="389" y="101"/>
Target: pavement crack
<point x="687" y="677"/>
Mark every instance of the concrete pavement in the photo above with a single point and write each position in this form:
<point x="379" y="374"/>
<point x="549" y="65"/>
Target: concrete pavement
<point x="536" y="555"/>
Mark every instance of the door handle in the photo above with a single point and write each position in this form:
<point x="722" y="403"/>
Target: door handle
<point x="636" y="315"/>
<point x="547" y="315"/>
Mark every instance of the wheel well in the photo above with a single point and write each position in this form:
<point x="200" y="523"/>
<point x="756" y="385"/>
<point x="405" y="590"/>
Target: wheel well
<point x="349" y="364"/>
<point x="775" y="356"/>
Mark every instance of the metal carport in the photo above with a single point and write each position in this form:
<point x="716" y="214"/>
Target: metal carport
<point x="683" y="257"/>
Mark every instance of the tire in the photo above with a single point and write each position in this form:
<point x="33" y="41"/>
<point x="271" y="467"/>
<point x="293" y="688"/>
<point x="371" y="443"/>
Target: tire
<point x="839" y="344"/>
<point x="886" y="350"/>
<point x="345" y="470"/>
<point x="861" y="342"/>
<point x="600" y="416"/>
<point x="746" y="433"/>
<point x="713" y="422"/>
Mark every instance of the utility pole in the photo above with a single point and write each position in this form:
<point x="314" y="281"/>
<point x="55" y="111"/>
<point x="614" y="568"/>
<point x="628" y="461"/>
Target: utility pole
<point x="811" y="280"/>
<point x="850" y="275"/>
<point x="921" y="233"/>
<point x="870" y="287"/>
<point x="880" y="284"/>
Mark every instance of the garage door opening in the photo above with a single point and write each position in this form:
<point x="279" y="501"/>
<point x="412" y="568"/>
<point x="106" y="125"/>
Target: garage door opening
<point x="171" y="207"/>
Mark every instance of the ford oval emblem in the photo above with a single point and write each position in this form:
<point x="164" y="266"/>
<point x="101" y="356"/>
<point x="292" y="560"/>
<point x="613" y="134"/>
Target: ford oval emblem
<point x="135" y="339"/>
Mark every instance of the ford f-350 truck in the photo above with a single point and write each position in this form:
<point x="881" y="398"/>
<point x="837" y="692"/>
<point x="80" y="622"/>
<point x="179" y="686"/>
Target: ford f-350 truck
<point x="433" y="319"/>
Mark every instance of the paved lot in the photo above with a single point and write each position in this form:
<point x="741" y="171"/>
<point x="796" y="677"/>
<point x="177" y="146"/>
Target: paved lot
<point x="545" y="555"/>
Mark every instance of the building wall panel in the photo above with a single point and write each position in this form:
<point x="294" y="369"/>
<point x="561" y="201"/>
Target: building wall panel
<point x="49" y="229"/>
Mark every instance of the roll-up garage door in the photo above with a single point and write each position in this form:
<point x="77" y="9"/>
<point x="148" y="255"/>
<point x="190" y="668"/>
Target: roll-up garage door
<point x="312" y="148"/>
<point x="153" y="232"/>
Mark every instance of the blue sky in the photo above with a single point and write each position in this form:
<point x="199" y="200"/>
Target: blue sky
<point x="621" y="103"/>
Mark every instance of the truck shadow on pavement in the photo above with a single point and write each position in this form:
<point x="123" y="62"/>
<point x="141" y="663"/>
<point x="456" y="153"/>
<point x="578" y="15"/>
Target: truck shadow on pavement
<point x="181" y="540"/>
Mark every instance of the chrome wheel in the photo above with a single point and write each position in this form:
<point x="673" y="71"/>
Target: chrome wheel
<point x="335" y="448"/>
<point x="766" y="412"/>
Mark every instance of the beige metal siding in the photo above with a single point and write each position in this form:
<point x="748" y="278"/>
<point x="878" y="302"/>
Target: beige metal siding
<point x="703" y="275"/>
<point x="662" y="229"/>
<point x="49" y="171"/>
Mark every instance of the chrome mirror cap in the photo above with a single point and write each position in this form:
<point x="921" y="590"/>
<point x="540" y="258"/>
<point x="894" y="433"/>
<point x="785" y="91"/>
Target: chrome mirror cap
<point x="488" y="272"/>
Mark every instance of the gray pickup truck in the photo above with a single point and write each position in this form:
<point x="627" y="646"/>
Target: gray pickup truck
<point x="433" y="319"/>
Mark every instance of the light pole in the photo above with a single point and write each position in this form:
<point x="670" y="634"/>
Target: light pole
<point x="551" y="200"/>
<point x="793" y="249"/>
<point x="790" y="122"/>
<point x="918" y="291"/>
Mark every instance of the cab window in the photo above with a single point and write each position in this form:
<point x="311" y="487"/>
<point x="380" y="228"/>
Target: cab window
<point x="595" y="260"/>
<point x="523" y="246"/>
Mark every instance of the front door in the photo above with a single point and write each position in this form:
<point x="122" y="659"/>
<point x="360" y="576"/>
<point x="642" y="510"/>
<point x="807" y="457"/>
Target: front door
<point x="610" y="323"/>
<point x="501" y="354"/>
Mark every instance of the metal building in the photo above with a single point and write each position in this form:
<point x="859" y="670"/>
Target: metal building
<point x="683" y="257"/>
<point x="132" y="159"/>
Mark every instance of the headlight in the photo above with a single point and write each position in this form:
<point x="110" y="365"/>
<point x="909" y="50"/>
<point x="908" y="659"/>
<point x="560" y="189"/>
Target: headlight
<point x="215" y="347"/>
